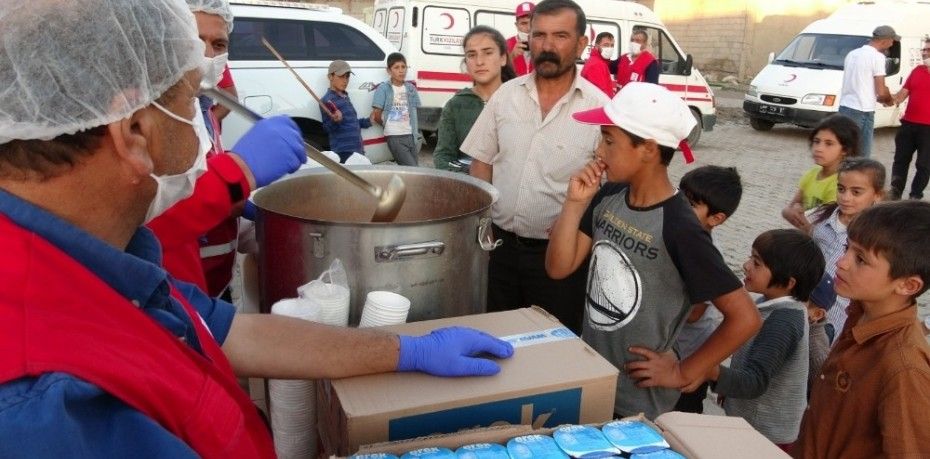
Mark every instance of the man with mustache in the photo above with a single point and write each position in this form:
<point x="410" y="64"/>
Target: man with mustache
<point x="526" y="144"/>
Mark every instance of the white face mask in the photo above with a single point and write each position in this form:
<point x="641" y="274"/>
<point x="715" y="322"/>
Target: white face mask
<point x="523" y="36"/>
<point x="178" y="187"/>
<point x="635" y="48"/>
<point x="213" y="67"/>
<point x="927" y="62"/>
<point x="606" y="52"/>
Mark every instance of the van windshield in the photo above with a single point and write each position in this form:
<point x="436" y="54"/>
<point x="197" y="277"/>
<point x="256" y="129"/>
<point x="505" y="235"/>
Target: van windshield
<point x="819" y="50"/>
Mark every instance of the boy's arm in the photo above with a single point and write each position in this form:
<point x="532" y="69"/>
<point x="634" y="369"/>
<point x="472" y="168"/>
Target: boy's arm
<point x="741" y="321"/>
<point x="568" y="245"/>
<point x="376" y="116"/>
<point x="794" y="212"/>
<point x="777" y="340"/>
<point x="902" y="414"/>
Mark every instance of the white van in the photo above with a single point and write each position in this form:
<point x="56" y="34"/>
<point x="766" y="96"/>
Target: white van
<point x="802" y="84"/>
<point x="310" y="37"/>
<point x="429" y="33"/>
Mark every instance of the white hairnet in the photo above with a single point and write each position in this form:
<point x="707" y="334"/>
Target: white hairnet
<point x="217" y="7"/>
<point x="75" y="65"/>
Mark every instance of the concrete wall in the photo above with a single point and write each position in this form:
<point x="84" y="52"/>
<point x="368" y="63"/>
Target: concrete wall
<point x="734" y="37"/>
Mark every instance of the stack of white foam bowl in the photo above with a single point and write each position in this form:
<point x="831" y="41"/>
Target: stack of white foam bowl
<point x="292" y="402"/>
<point x="384" y="308"/>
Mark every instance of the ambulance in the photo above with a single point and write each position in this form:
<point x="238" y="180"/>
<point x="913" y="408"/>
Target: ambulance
<point x="802" y="84"/>
<point x="429" y="33"/>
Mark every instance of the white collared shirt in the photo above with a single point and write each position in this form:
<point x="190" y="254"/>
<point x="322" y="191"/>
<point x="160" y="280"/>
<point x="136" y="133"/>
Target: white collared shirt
<point x="533" y="158"/>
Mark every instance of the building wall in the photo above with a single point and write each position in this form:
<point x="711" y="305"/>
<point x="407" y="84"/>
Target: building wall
<point x="735" y="37"/>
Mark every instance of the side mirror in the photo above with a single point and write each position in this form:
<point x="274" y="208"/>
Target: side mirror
<point x="689" y="65"/>
<point x="771" y="57"/>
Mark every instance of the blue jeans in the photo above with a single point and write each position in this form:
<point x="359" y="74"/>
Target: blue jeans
<point x="866" y="122"/>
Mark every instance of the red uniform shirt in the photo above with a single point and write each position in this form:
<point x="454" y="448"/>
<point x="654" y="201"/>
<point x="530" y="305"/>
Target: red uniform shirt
<point x="95" y="334"/>
<point x="597" y="71"/>
<point x="918" y="99"/>
<point x="521" y="65"/>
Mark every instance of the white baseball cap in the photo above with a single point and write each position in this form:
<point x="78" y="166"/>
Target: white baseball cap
<point x="649" y="111"/>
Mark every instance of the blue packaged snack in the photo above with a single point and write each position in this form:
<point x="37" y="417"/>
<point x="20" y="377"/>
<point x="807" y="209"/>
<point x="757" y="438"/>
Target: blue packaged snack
<point x="430" y="453"/>
<point x="482" y="451"/>
<point x="373" y="456"/>
<point x="633" y="436"/>
<point x="584" y="441"/>
<point x="534" y="447"/>
<point x="659" y="454"/>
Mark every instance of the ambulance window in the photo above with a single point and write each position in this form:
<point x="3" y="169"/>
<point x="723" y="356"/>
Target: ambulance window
<point x="595" y="28"/>
<point x="893" y="61"/>
<point x="300" y="40"/>
<point x="501" y="21"/>
<point x="670" y="60"/>
<point x="395" y="27"/>
<point x="379" y="21"/>
<point x="444" y="29"/>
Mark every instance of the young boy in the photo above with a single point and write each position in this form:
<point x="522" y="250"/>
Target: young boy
<point x="394" y="106"/>
<point x="344" y="127"/>
<point x="650" y="258"/>
<point x="766" y="382"/>
<point x="714" y="193"/>
<point x="822" y="299"/>
<point x="871" y="398"/>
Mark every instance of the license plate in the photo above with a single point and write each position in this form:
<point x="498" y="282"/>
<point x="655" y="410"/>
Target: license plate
<point x="771" y="109"/>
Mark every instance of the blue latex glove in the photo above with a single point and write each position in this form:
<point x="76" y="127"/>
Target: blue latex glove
<point x="272" y="149"/>
<point x="450" y="352"/>
<point x="250" y="210"/>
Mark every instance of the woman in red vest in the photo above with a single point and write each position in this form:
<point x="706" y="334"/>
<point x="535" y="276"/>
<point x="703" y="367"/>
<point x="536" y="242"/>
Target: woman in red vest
<point x="639" y="64"/>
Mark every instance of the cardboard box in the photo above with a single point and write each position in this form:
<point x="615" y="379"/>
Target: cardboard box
<point x="696" y="436"/>
<point x="553" y="378"/>
<point x="700" y="436"/>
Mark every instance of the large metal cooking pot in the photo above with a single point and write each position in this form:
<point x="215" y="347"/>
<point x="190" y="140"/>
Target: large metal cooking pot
<point x="434" y="253"/>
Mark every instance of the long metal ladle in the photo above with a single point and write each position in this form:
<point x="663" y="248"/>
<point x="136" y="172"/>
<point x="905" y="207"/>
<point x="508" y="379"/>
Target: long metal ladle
<point x="390" y="199"/>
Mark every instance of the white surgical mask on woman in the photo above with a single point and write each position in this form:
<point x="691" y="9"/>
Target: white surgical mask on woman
<point x="607" y="52"/>
<point x="178" y="187"/>
<point x="635" y="48"/>
<point x="213" y="68"/>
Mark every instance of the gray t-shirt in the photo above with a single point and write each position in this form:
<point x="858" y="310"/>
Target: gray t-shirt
<point x="648" y="266"/>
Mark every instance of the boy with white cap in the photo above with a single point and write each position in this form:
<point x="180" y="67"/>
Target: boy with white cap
<point x="650" y="258"/>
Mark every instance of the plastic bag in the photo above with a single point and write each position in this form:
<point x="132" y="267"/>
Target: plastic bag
<point x="330" y="292"/>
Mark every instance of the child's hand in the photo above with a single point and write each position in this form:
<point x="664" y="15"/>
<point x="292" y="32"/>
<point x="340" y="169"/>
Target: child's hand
<point x="794" y="213"/>
<point x="584" y="184"/>
<point x="657" y="370"/>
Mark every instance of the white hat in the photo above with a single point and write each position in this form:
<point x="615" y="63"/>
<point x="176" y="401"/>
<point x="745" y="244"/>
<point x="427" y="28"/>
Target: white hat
<point x="649" y="111"/>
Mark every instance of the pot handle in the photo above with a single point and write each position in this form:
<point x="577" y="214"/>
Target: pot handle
<point x="386" y="254"/>
<point x="486" y="235"/>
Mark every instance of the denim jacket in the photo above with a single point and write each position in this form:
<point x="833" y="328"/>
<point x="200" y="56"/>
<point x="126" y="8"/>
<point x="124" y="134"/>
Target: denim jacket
<point x="384" y="97"/>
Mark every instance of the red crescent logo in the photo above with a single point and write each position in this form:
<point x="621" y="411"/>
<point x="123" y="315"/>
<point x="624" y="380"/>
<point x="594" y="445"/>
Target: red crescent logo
<point x="451" y="20"/>
<point x="396" y="17"/>
<point x="791" y="77"/>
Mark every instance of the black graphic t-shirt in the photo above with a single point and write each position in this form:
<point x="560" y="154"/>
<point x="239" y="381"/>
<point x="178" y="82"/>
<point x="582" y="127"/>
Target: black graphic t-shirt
<point x="648" y="266"/>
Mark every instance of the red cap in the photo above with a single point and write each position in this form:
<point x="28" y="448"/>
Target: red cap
<point x="524" y="9"/>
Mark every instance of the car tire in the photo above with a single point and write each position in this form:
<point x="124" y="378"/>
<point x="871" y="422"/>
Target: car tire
<point x="695" y="134"/>
<point x="760" y="124"/>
